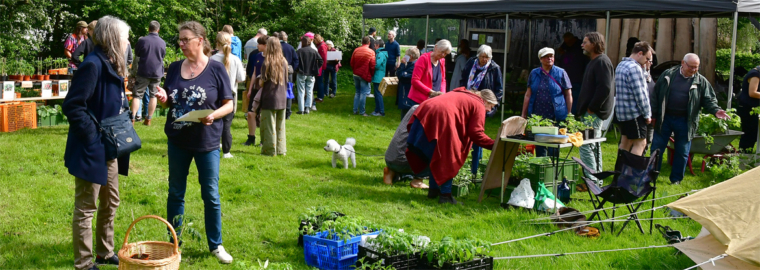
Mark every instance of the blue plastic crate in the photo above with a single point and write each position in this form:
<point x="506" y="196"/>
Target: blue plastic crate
<point x="332" y="254"/>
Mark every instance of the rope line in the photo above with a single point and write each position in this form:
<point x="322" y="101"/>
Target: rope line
<point x="579" y="226"/>
<point x="711" y="260"/>
<point x="640" y="219"/>
<point x="609" y="208"/>
<point x="575" y="253"/>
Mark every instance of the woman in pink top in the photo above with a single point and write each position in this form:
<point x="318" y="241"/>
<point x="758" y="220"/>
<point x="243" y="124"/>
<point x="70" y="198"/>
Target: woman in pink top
<point x="429" y="76"/>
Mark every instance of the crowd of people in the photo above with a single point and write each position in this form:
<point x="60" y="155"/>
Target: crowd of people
<point x="442" y="121"/>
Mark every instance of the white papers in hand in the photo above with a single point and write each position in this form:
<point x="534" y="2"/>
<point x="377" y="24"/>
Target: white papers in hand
<point x="194" y="115"/>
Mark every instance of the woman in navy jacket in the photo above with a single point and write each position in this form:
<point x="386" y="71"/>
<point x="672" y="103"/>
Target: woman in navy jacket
<point x="404" y="74"/>
<point x="491" y="80"/>
<point x="98" y="86"/>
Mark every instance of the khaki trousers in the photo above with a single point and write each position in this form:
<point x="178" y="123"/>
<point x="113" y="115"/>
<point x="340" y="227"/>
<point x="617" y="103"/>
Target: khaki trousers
<point x="273" y="132"/>
<point x="86" y="195"/>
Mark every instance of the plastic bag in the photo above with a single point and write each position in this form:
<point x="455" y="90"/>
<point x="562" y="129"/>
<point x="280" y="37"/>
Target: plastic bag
<point x="523" y="195"/>
<point x="545" y="200"/>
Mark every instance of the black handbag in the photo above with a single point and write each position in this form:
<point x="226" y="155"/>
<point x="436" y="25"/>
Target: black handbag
<point x="118" y="135"/>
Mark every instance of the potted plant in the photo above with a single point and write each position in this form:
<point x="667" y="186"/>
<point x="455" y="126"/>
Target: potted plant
<point x="391" y="248"/>
<point x="538" y="125"/>
<point x="457" y="254"/>
<point x="463" y="180"/>
<point x="714" y="131"/>
<point x="338" y="242"/>
<point x="313" y="219"/>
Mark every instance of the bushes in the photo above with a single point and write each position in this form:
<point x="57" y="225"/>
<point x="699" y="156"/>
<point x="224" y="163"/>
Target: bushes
<point x="745" y="60"/>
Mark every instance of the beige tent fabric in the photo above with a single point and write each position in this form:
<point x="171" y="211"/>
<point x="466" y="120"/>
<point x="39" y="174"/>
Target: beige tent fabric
<point x="730" y="211"/>
<point x="501" y="152"/>
<point x="706" y="247"/>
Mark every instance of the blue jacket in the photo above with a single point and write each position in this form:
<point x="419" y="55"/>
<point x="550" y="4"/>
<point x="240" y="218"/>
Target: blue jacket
<point x="237" y="47"/>
<point x="95" y="87"/>
<point x="491" y="81"/>
<point x="404" y="74"/>
<point x="381" y="60"/>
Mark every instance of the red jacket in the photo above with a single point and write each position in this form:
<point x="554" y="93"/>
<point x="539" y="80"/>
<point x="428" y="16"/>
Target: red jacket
<point x="422" y="78"/>
<point x="456" y="120"/>
<point x="363" y="62"/>
<point x="322" y="50"/>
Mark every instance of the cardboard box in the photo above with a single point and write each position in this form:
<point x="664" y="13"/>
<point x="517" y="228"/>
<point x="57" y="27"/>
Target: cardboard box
<point x="389" y="86"/>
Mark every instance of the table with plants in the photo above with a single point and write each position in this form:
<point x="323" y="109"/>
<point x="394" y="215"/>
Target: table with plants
<point x="538" y="125"/>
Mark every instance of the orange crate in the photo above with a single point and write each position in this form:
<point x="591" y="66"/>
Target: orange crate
<point x="15" y="116"/>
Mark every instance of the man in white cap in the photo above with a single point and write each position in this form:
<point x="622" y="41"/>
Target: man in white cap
<point x="632" y="108"/>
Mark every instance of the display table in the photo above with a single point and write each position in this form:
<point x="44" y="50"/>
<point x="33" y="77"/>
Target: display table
<point x="509" y="152"/>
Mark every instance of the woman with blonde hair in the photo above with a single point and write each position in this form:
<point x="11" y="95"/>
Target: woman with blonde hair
<point x="274" y="87"/>
<point x="97" y="93"/>
<point x="195" y="83"/>
<point x="236" y="74"/>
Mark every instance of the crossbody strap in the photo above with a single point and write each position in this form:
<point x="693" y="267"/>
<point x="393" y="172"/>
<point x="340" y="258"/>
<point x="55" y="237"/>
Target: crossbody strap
<point x="555" y="81"/>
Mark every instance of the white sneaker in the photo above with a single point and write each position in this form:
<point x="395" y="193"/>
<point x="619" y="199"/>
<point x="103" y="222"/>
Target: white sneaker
<point x="370" y="96"/>
<point x="222" y="255"/>
<point x="314" y="107"/>
<point x="227" y="155"/>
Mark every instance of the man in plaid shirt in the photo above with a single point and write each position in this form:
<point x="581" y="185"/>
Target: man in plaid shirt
<point x="632" y="99"/>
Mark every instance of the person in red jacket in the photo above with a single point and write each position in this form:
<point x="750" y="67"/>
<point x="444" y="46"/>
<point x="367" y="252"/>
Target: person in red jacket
<point x="319" y="83"/>
<point x="363" y="64"/>
<point x="441" y="133"/>
<point x="429" y="76"/>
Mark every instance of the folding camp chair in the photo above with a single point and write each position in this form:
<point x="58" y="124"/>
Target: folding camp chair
<point x="634" y="178"/>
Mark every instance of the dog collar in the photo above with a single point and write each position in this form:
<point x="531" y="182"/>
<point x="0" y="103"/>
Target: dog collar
<point x="341" y="148"/>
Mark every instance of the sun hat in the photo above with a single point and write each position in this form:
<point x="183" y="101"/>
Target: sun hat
<point x="81" y="24"/>
<point x="545" y="51"/>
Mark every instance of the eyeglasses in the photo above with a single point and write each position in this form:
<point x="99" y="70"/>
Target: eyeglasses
<point x="185" y="40"/>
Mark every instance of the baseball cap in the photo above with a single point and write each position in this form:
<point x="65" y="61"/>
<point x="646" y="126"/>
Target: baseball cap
<point x="545" y="51"/>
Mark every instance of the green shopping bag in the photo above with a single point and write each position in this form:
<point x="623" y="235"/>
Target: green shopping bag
<point x="545" y="199"/>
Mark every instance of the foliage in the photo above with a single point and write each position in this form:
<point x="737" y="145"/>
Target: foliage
<point x="710" y="125"/>
<point x="186" y="228"/>
<point x="393" y="242"/>
<point x="44" y="111"/>
<point x="378" y="265"/>
<point x="538" y="121"/>
<point x="573" y="125"/>
<point x="755" y="111"/>
<point x="413" y="29"/>
<point x="747" y="35"/>
<point x="315" y="217"/>
<point x="242" y="265"/>
<point x="724" y="169"/>
<point x="742" y="59"/>
<point x="345" y="228"/>
<point x="172" y="55"/>
<point x="453" y="251"/>
<point x="521" y="167"/>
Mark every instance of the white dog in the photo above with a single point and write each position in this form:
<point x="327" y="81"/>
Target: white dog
<point x="342" y="152"/>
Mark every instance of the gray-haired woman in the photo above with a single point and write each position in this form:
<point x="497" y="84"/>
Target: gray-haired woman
<point x="97" y="90"/>
<point x="481" y="72"/>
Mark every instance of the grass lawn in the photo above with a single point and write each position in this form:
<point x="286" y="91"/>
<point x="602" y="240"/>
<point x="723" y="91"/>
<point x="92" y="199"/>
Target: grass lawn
<point x="262" y="197"/>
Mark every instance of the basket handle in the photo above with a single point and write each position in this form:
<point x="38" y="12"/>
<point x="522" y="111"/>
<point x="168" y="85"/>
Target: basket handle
<point x="174" y="234"/>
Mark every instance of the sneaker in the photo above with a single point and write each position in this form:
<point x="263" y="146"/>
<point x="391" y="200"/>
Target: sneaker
<point x="365" y="115"/>
<point x="138" y="118"/>
<point x="332" y="95"/>
<point x="228" y="155"/>
<point x="314" y="107"/>
<point x="370" y="96"/>
<point x="319" y="100"/>
<point x="222" y="255"/>
<point x="113" y="260"/>
<point x="675" y="183"/>
<point x="374" y="114"/>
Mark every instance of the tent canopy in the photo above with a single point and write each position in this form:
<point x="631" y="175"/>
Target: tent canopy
<point x="560" y="9"/>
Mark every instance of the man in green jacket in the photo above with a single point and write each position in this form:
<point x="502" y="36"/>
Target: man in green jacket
<point x="679" y="96"/>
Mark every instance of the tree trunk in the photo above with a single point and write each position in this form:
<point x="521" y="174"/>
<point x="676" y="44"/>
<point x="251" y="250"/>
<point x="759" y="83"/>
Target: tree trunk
<point x="683" y="37"/>
<point x="664" y="46"/>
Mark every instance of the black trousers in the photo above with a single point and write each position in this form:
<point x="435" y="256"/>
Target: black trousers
<point x="227" y="133"/>
<point x="749" y="127"/>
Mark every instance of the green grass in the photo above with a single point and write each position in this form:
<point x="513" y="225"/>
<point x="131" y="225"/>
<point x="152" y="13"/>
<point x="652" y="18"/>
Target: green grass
<point x="262" y="197"/>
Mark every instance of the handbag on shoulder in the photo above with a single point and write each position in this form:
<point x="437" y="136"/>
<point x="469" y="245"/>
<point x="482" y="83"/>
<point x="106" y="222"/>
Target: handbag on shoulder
<point x="118" y="134"/>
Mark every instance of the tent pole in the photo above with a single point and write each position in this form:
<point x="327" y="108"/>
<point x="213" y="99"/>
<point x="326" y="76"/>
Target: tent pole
<point x="504" y="67"/>
<point x="733" y="56"/>
<point x="530" y="42"/>
<point x="607" y="31"/>
<point x="427" y="29"/>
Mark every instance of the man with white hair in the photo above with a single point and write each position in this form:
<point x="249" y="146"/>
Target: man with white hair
<point x="429" y="76"/>
<point x="679" y="96"/>
<point x="252" y="44"/>
<point x="394" y="54"/>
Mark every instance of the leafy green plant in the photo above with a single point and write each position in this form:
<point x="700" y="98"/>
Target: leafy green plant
<point x="724" y="169"/>
<point x="378" y="265"/>
<point x="345" y="228"/>
<point x="573" y="125"/>
<point x="755" y="111"/>
<point x="314" y="217"/>
<point x="393" y="242"/>
<point x="521" y="167"/>
<point x="453" y="251"/>
<point x="186" y="228"/>
<point x="45" y="111"/>
<point x="538" y="121"/>
<point x="710" y="125"/>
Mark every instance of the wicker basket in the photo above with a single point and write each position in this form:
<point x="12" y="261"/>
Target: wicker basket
<point x="15" y="116"/>
<point x="162" y="255"/>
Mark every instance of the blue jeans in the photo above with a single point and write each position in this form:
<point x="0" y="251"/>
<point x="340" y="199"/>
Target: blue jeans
<point x="145" y="102"/>
<point x="319" y="85"/>
<point x="591" y="154"/>
<point x="207" y="164"/>
<point x="445" y="188"/>
<point x="477" y="154"/>
<point x="360" y="98"/>
<point x="379" y="105"/>
<point x="330" y="81"/>
<point x="680" y="129"/>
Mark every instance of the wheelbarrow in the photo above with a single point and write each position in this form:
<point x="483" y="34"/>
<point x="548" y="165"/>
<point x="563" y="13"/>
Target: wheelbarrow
<point x="717" y="150"/>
